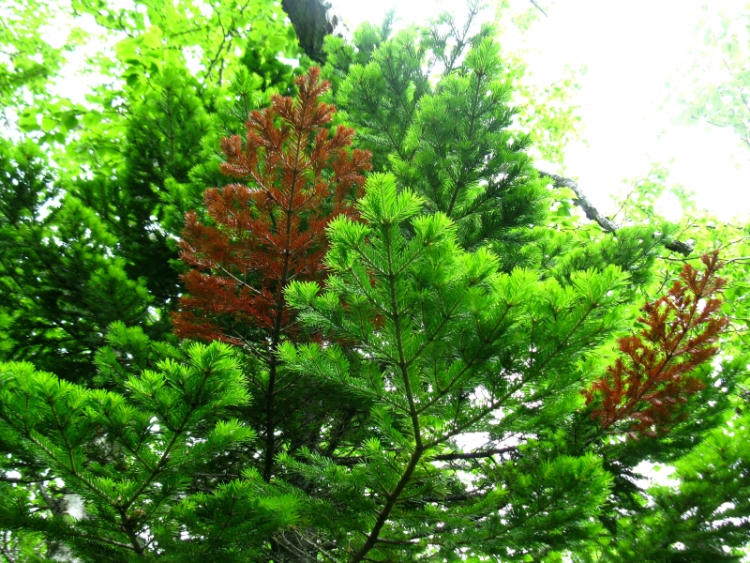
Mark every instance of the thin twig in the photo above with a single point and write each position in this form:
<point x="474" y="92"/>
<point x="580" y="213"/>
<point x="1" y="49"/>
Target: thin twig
<point x="538" y="7"/>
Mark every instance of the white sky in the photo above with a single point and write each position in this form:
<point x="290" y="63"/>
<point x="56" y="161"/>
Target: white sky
<point x="631" y="50"/>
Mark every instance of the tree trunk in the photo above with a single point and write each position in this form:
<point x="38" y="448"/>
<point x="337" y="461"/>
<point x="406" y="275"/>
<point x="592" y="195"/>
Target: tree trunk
<point x="313" y="20"/>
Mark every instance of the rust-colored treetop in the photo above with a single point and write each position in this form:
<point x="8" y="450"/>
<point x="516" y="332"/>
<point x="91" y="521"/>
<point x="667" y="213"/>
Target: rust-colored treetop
<point x="293" y="177"/>
<point x="654" y="374"/>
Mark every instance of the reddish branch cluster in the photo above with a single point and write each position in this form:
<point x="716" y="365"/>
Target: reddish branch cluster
<point x="652" y="377"/>
<point x="270" y="229"/>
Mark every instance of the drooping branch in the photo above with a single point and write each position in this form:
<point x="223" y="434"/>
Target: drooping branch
<point x="684" y="248"/>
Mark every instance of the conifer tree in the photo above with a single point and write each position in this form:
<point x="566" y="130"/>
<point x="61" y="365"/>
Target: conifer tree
<point x="396" y="90"/>
<point x="268" y="231"/>
<point x="123" y="168"/>
<point x="455" y="348"/>
<point x="59" y="290"/>
<point x="132" y="457"/>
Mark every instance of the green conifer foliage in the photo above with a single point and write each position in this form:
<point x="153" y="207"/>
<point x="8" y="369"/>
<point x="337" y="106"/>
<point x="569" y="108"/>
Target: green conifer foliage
<point x="450" y="140"/>
<point x="702" y="518"/>
<point x="130" y="457"/>
<point x="60" y="285"/>
<point x="161" y="134"/>
<point x="445" y="346"/>
<point x="433" y="106"/>
<point x="97" y="243"/>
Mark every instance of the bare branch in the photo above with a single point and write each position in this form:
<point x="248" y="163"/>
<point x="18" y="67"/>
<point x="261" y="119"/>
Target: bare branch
<point x="582" y="201"/>
<point x="738" y="259"/>
<point x="473" y="455"/>
<point x="593" y="214"/>
<point x="538" y="7"/>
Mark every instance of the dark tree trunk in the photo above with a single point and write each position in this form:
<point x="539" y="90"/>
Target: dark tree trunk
<point x="312" y="21"/>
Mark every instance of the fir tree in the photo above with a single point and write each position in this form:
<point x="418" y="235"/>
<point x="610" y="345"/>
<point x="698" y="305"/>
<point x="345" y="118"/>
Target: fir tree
<point x="131" y="457"/>
<point x="267" y="232"/>
<point x="59" y="288"/>
<point x="99" y="219"/>
<point x="447" y="346"/>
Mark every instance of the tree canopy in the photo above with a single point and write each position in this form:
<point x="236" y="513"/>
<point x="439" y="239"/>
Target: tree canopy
<point x="263" y="305"/>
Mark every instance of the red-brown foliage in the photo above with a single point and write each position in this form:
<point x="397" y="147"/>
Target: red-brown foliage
<point x="652" y="378"/>
<point x="269" y="229"/>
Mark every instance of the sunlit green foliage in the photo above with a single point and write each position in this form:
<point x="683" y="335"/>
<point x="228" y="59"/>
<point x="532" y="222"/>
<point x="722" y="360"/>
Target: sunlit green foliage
<point x="713" y="88"/>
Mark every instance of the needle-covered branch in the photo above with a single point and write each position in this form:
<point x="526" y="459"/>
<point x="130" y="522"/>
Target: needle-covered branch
<point x="655" y="372"/>
<point x="440" y="344"/>
<point x="130" y="456"/>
